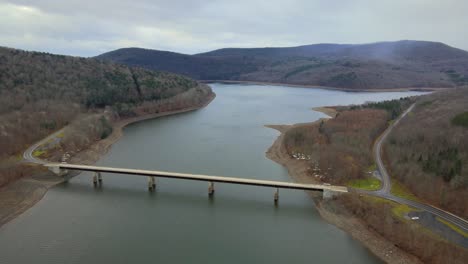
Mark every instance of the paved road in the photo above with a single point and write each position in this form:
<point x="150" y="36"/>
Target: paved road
<point x="384" y="192"/>
<point x="28" y="155"/>
<point x="199" y="177"/>
<point x="386" y="184"/>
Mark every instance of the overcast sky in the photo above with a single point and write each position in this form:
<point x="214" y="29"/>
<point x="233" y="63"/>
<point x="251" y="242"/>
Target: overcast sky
<point x="88" y="28"/>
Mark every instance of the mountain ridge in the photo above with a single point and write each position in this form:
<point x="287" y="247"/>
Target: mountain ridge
<point x="397" y="64"/>
<point x="346" y="49"/>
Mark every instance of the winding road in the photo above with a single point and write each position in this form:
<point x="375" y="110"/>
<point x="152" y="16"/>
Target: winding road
<point x="28" y="155"/>
<point x="384" y="192"/>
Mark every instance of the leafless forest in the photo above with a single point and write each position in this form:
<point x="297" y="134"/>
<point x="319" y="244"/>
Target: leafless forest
<point x="342" y="149"/>
<point x="428" y="151"/>
<point x="41" y="93"/>
<point x="340" y="146"/>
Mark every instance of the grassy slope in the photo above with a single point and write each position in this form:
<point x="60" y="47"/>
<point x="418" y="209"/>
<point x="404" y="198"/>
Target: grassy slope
<point x="369" y="184"/>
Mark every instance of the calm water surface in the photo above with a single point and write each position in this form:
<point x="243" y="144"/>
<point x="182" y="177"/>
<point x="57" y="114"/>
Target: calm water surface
<point x="123" y="223"/>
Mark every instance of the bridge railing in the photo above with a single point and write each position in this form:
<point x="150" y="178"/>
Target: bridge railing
<point x="61" y="168"/>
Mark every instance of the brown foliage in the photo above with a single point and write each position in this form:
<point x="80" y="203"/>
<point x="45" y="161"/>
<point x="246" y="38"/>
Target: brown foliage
<point x="19" y="129"/>
<point x="429" y="154"/>
<point x="41" y="93"/>
<point x="10" y="174"/>
<point x="342" y="144"/>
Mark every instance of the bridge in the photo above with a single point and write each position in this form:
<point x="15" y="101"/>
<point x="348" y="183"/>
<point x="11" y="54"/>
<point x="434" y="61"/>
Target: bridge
<point x="62" y="169"/>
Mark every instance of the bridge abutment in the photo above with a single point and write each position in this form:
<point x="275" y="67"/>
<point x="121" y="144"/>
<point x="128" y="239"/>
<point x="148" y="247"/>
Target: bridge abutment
<point x="328" y="194"/>
<point x="58" y="171"/>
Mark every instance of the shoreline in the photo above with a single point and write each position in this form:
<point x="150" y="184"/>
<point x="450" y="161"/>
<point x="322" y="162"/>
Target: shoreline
<point x="297" y="170"/>
<point x="19" y="196"/>
<point x="101" y="147"/>
<point x="401" y="89"/>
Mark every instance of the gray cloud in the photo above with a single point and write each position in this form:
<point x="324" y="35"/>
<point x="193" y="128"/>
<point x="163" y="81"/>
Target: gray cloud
<point x="88" y="28"/>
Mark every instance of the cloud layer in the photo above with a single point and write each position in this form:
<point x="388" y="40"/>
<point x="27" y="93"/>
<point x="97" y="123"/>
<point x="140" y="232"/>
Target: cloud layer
<point x="88" y="28"/>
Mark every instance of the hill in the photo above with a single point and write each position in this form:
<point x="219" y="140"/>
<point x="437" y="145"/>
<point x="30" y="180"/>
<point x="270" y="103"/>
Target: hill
<point x="433" y="162"/>
<point x="41" y="92"/>
<point x="385" y="51"/>
<point x="198" y="67"/>
<point x="399" y="64"/>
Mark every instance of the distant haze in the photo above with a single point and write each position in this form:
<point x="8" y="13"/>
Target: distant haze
<point x="89" y="28"/>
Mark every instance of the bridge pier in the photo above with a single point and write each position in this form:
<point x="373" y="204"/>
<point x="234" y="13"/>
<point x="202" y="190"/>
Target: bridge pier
<point x="328" y="190"/>
<point x="151" y="183"/>
<point x="211" y="189"/>
<point x="97" y="178"/>
<point x="276" y="196"/>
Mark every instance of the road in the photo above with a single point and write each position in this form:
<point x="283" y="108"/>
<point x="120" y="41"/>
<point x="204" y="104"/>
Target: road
<point x="384" y="192"/>
<point x="28" y="155"/>
<point x="199" y="177"/>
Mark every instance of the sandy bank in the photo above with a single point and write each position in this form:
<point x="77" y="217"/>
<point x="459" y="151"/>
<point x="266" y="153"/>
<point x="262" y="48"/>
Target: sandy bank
<point x="329" y="111"/>
<point x="298" y="170"/>
<point x="21" y="195"/>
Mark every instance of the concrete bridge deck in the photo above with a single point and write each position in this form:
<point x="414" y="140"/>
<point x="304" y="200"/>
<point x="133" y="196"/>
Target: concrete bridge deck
<point x="198" y="177"/>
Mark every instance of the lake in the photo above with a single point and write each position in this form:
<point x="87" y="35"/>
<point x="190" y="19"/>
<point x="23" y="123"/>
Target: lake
<point x="123" y="223"/>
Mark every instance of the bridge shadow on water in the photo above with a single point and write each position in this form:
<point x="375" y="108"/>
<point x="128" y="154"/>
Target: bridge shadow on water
<point x="177" y="198"/>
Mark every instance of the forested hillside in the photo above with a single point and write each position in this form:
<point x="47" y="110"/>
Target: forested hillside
<point x="339" y="148"/>
<point x="198" y="67"/>
<point x="40" y="93"/>
<point x="400" y="64"/>
<point x="428" y="150"/>
<point x="339" y="151"/>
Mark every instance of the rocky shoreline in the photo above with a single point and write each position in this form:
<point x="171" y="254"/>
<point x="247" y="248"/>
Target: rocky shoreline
<point x="297" y="169"/>
<point x="21" y="195"/>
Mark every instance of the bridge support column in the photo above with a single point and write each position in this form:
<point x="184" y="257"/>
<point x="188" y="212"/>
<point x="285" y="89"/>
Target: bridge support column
<point x="95" y="179"/>
<point x="211" y="189"/>
<point x="151" y="184"/>
<point x="276" y="196"/>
